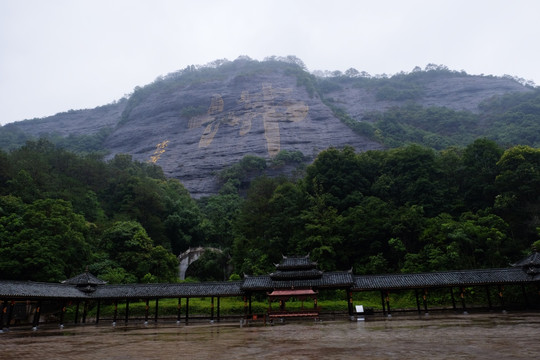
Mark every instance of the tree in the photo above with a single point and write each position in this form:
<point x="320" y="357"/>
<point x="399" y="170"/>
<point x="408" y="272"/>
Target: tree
<point x="220" y="212"/>
<point x="211" y="266"/>
<point x="162" y="265"/>
<point x="322" y="233"/>
<point x="352" y="72"/>
<point x="410" y="176"/>
<point x="42" y="241"/>
<point x="518" y="187"/>
<point x="337" y="174"/>
<point x="475" y="240"/>
<point x="366" y="228"/>
<point x="254" y="245"/>
<point x="131" y="250"/>
<point x="480" y="161"/>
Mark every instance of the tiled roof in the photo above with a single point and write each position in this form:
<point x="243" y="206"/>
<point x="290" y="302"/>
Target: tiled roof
<point x="440" y="279"/>
<point x="295" y="263"/>
<point x="225" y="288"/>
<point x="531" y="260"/>
<point x="85" y="278"/>
<point x="33" y="290"/>
<point x="262" y="282"/>
<point x="292" y="276"/>
<point x="36" y="290"/>
<point x="531" y="264"/>
<point x="296" y="274"/>
<point x="327" y="280"/>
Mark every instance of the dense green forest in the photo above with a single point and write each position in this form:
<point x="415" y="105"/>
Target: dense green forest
<point x="407" y="209"/>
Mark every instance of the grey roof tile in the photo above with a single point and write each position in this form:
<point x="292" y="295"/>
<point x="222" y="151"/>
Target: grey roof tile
<point x="327" y="280"/>
<point x="36" y="290"/>
<point x="32" y="290"/>
<point x="441" y="279"/>
<point x="85" y="278"/>
<point x="295" y="263"/>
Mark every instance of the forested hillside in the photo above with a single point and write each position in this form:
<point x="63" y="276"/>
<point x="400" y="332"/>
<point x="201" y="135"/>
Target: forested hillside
<point x="435" y="107"/>
<point x="410" y="208"/>
<point x="201" y="120"/>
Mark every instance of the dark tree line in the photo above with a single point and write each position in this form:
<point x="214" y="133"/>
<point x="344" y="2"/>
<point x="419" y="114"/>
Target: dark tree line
<point x="407" y="209"/>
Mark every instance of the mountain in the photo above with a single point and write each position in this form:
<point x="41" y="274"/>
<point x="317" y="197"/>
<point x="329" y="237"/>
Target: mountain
<point x="200" y="120"/>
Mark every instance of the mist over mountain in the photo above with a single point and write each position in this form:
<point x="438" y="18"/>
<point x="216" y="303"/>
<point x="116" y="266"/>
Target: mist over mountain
<point x="198" y="121"/>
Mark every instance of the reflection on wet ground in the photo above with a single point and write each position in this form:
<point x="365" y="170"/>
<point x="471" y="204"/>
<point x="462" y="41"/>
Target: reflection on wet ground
<point x="477" y="336"/>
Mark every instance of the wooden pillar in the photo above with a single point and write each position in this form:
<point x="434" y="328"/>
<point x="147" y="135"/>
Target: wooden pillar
<point x="383" y="303"/>
<point x="37" y="314"/>
<point x="218" y="308"/>
<point x="77" y="312"/>
<point x="115" y="311"/>
<point x="179" y="310"/>
<point x="501" y="297"/>
<point x="126" y="318"/>
<point x="62" y="314"/>
<point x="424" y="298"/>
<point x="85" y="311"/>
<point x="417" y="301"/>
<point x="157" y="310"/>
<point x="187" y="310"/>
<point x="525" y="296"/>
<point x="350" y="302"/>
<point x="146" y="310"/>
<point x="98" y="311"/>
<point x="245" y="305"/>
<point x="388" y="302"/>
<point x="249" y="309"/>
<point x="10" y="313"/>
<point x="488" y="298"/>
<point x="212" y="309"/>
<point x="3" y="309"/>
<point x="462" y="295"/>
<point x="453" y="299"/>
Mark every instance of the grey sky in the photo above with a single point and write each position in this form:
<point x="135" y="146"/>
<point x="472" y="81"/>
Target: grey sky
<point x="57" y="55"/>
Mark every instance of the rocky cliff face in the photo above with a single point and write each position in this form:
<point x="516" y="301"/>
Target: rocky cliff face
<point x="196" y="122"/>
<point x="452" y="91"/>
<point x="257" y="115"/>
<point x="74" y="122"/>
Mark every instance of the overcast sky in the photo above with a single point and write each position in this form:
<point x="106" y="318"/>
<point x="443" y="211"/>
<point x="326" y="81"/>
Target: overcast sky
<point x="57" y="55"/>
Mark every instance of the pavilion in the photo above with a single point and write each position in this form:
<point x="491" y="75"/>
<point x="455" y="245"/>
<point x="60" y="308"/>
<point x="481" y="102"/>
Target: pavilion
<point x="294" y="277"/>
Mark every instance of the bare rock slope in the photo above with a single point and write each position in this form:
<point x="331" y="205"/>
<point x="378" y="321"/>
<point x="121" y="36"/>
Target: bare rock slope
<point x="197" y="121"/>
<point x="260" y="115"/>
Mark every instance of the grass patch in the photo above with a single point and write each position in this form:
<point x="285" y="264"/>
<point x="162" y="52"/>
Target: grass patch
<point x="328" y="301"/>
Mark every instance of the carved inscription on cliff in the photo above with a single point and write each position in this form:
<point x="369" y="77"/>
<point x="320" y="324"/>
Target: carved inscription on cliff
<point x="271" y="106"/>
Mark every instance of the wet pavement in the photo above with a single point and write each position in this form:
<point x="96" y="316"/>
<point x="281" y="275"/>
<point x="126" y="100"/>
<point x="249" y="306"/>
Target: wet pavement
<point x="475" y="336"/>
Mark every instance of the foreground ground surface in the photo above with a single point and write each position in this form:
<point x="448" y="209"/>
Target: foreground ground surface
<point x="476" y="336"/>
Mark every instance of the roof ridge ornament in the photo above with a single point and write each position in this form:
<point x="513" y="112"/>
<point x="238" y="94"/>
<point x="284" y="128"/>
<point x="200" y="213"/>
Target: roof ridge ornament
<point x="530" y="264"/>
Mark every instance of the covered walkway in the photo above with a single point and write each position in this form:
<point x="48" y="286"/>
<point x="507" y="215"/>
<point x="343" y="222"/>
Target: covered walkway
<point x="294" y="276"/>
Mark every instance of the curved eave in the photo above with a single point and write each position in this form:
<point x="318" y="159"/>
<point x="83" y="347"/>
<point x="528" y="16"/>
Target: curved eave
<point x="185" y="290"/>
<point x="31" y="290"/>
<point x="442" y="279"/>
<point x="531" y="260"/>
<point x="330" y="280"/>
<point x="38" y="290"/>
